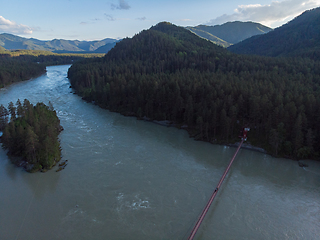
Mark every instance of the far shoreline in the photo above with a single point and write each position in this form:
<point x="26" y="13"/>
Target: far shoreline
<point x="169" y="123"/>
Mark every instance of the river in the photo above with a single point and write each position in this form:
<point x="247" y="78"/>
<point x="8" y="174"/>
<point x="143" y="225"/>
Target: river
<point x="131" y="179"/>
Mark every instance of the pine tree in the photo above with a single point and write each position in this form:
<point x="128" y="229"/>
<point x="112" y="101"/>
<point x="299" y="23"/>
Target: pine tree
<point x="3" y="117"/>
<point x="31" y="144"/>
<point x="297" y="134"/>
<point x="33" y="135"/>
<point x="12" y="111"/>
<point x="20" y="109"/>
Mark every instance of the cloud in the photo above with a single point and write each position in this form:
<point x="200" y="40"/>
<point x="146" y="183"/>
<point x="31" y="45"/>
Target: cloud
<point x="141" y="18"/>
<point x="122" y="5"/>
<point x="274" y="14"/>
<point x="12" y="27"/>
<point x="92" y="21"/>
<point x="109" y="17"/>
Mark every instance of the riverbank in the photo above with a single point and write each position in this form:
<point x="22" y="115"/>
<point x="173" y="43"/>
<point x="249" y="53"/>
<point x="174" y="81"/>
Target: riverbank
<point x="33" y="135"/>
<point x="168" y="123"/>
<point x="193" y="132"/>
<point x="113" y="185"/>
<point x="29" y="167"/>
<point x="248" y="146"/>
<point x="3" y="86"/>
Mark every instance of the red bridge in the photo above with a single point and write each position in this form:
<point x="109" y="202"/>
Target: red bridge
<point x="205" y="210"/>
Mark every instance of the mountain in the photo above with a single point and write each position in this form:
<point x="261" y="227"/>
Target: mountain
<point x="169" y="74"/>
<point x="105" y="48"/>
<point x="299" y="37"/>
<point x="229" y="33"/>
<point x="12" y="42"/>
<point x="206" y="35"/>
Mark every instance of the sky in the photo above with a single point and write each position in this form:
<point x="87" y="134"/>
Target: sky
<point x="100" y="19"/>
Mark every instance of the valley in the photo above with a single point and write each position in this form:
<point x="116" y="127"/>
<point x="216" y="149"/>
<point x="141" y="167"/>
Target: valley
<point x="132" y="179"/>
<point x="128" y="178"/>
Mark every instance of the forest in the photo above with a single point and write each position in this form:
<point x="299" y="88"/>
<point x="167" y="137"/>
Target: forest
<point x="299" y="37"/>
<point x="15" y="70"/>
<point x="168" y="73"/>
<point x="20" y="65"/>
<point x="31" y="134"/>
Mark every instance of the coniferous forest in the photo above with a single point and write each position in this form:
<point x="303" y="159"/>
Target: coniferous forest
<point x="20" y="65"/>
<point x="31" y="133"/>
<point x="299" y="37"/>
<point x="168" y="73"/>
<point x="15" y="70"/>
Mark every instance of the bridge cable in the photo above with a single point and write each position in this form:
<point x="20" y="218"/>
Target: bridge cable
<point x="205" y="210"/>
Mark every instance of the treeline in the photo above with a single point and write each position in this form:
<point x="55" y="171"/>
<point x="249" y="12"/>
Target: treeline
<point x="49" y="60"/>
<point x="168" y="73"/>
<point x="15" y="70"/>
<point x="36" y="53"/>
<point x="20" y="65"/>
<point x="31" y="132"/>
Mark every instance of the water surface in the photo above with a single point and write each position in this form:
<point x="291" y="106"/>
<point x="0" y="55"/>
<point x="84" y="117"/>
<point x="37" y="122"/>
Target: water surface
<point x="130" y="179"/>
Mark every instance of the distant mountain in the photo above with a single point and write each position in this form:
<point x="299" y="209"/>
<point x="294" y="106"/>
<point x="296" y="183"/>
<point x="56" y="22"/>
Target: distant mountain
<point x="105" y="48"/>
<point x="230" y="33"/>
<point x="208" y="36"/>
<point x="12" y="42"/>
<point x="299" y="37"/>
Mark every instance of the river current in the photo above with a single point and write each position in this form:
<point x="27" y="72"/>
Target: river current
<point x="131" y="179"/>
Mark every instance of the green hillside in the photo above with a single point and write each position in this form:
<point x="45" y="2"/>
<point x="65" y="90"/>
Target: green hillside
<point x="168" y="73"/>
<point x="206" y="35"/>
<point x="299" y="37"/>
<point x="229" y="33"/>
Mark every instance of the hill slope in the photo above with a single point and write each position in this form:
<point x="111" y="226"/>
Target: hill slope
<point x="299" y="37"/>
<point x="12" y="42"/>
<point x="168" y="73"/>
<point x="230" y="33"/>
<point x="206" y="35"/>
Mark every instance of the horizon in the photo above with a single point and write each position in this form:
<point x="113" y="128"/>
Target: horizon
<point x="26" y="37"/>
<point x="96" y="20"/>
<point x="121" y="38"/>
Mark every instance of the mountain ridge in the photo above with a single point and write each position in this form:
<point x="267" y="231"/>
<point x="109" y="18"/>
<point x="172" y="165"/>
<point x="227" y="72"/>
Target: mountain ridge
<point x="229" y="33"/>
<point x="169" y="74"/>
<point x="299" y="37"/>
<point x="13" y="42"/>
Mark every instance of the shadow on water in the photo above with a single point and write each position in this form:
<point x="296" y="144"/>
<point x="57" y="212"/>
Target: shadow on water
<point x="39" y="183"/>
<point x="9" y="167"/>
<point x="11" y="171"/>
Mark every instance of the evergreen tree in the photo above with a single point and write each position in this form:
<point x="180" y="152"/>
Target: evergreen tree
<point x="33" y="134"/>
<point x="31" y="144"/>
<point x="12" y="111"/>
<point x="168" y="73"/>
